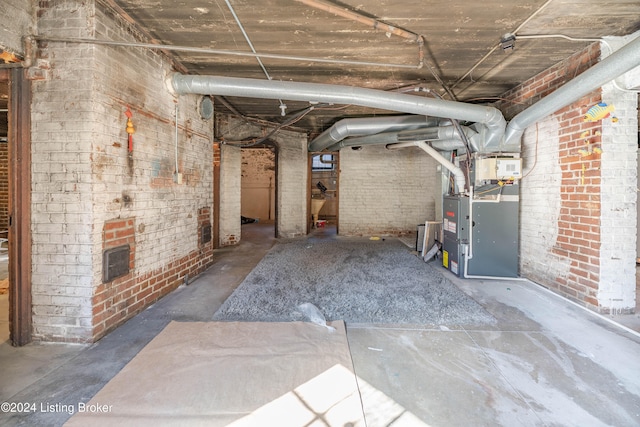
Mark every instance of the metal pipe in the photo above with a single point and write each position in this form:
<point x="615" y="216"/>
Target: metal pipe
<point x="491" y="118"/>
<point x="354" y="16"/>
<point x="28" y="55"/>
<point x="458" y="175"/>
<point x="366" y="126"/>
<point x="477" y="64"/>
<point x="176" y="145"/>
<point x="246" y="37"/>
<point x="163" y="47"/>
<point x="435" y="133"/>
<point x="253" y="49"/>
<point x="375" y="139"/>
<point x="447" y="144"/>
<point x="371" y="22"/>
<point x="443" y="138"/>
<point x="616" y="64"/>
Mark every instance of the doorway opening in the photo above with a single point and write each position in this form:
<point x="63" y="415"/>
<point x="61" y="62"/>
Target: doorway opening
<point x="259" y="186"/>
<point x="324" y="174"/>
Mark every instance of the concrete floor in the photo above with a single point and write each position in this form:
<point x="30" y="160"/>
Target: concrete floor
<point x="547" y="362"/>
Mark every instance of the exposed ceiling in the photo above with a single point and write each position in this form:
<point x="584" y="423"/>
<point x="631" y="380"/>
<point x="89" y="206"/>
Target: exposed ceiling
<point x="461" y="46"/>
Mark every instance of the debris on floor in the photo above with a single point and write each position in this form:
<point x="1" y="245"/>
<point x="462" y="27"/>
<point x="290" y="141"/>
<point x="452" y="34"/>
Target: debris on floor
<point x="247" y="220"/>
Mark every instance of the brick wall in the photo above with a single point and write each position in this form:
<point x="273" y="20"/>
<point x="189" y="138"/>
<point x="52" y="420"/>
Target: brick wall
<point x="85" y="181"/>
<point x="386" y="192"/>
<point x="116" y="300"/>
<point x="291" y="177"/>
<point x="619" y="189"/>
<point x="381" y="192"/>
<point x="230" y="195"/>
<point x="563" y="197"/>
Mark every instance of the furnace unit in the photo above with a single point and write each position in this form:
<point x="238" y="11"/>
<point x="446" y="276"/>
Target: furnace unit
<point x="481" y="229"/>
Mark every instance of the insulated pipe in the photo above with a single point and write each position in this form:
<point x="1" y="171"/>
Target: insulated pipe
<point x="376" y="139"/>
<point x="490" y="117"/>
<point x="616" y="64"/>
<point x="367" y="126"/>
<point x="434" y="133"/>
<point x="440" y="137"/>
<point x="447" y="144"/>
<point x="458" y="175"/>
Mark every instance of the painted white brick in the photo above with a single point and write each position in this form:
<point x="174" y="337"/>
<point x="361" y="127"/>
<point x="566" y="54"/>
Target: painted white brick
<point x="619" y="203"/>
<point x="540" y="202"/>
<point x="384" y="191"/>
<point x="292" y="179"/>
<point x="230" y="195"/>
<point x="80" y="167"/>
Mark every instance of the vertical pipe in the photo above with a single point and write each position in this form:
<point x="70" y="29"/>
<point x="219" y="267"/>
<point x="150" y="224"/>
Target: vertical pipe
<point x="176" y="140"/>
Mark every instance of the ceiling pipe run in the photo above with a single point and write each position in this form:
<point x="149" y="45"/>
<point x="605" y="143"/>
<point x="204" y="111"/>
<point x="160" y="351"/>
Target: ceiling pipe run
<point x="490" y="119"/>
<point x="458" y="174"/>
<point x="370" y="22"/>
<point x="616" y="64"/>
<point x="367" y="126"/>
<point x="441" y="137"/>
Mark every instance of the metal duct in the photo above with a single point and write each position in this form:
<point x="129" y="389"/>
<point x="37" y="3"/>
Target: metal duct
<point x="616" y="64"/>
<point x="376" y="139"/>
<point x="491" y="118"/>
<point x="433" y="134"/>
<point x="440" y="133"/>
<point x="367" y="126"/>
<point x="447" y="144"/>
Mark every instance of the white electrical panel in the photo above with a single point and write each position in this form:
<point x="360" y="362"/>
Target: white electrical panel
<point x="509" y="168"/>
<point x="498" y="168"/>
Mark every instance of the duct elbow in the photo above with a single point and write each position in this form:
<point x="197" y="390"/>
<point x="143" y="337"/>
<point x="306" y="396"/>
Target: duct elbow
<point x="513" y="136"/>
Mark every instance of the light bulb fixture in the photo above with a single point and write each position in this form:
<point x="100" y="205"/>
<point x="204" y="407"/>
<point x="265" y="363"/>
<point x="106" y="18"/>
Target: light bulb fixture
<point x="508" y="42"/>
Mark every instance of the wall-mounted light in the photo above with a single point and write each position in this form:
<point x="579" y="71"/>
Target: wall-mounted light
<point x="508" y="42"/>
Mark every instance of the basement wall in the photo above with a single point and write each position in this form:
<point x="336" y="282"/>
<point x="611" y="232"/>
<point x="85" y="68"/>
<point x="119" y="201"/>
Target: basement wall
<point x="291" y="176"/>
<point x="89" y="195"/>
<point x="577" y="212"/>
<point x="384" y="192"/>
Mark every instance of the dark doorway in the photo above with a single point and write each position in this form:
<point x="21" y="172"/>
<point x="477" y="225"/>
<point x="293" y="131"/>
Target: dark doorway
<point x="324" y="176"/>
<point x="259" y="185"/>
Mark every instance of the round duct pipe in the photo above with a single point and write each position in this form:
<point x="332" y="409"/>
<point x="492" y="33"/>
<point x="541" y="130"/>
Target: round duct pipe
<point x="491" y="118"/>
<point x="367" y="126"/>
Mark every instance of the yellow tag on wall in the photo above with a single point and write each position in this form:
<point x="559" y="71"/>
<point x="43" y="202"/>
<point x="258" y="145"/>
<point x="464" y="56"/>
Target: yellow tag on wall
<point x="445" y="259"/>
